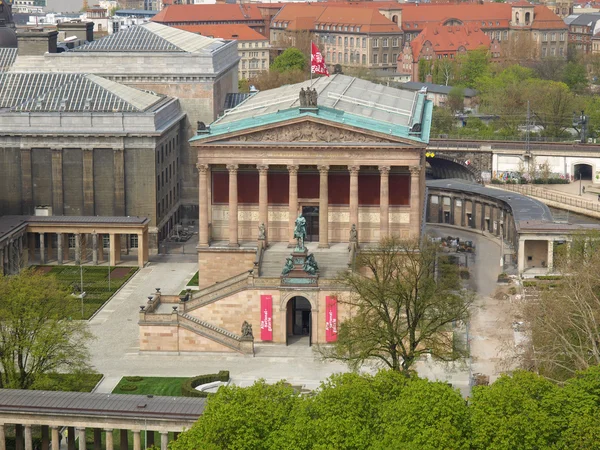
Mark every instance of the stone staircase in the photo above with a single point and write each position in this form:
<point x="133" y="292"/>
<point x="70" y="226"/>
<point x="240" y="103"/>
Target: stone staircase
<point x="217" y="291"/>
<point x="331" y="260"/>
<point x="210" y="331"/>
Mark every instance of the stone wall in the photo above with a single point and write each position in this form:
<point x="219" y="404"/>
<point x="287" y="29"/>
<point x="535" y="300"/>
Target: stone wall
<point x="218" y="264"/>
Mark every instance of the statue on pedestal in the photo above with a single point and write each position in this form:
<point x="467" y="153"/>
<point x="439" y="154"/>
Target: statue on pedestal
<point x="300" y="233"/>
<point x="247" y="330"/>
<point x="262" y="232"/>
<point x="353" y="233"/>
<point x="310" y="265"/>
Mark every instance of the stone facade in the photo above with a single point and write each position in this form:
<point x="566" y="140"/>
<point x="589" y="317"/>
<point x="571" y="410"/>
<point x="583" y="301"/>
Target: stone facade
<point x="218" y="264"/>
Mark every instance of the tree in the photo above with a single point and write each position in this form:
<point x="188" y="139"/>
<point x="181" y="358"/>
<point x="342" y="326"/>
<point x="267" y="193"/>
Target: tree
<point x="552" y="104"/>
<point x="442" y="121"/>
<point x="424" y="69"/>
<point x="575" y="76"/>
<point x="444" y="71"/>
<point x="549" y="68"/>
<point x="473" y="64"/>
<point x="456" y="99"/>
<point x="37" y="335"/>
<point x="400" y="311"/>
<point x="241" y="418"/>
<point x="517" y="411"/>
<point x="290" y="59"/>
<point x="273" y="79"/>
<point x="562" y="325"/>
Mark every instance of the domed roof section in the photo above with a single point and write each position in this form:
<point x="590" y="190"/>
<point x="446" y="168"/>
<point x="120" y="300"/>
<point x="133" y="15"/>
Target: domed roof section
<point x="8" y="37"/>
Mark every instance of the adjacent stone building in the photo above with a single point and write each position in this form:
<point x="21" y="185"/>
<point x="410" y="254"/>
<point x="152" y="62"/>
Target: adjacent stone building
<point x="82" y="145"/>
<point x="197" y="71"/>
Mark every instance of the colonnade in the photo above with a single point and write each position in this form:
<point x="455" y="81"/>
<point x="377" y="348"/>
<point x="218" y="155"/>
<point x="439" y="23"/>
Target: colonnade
<point x="11" y="255"/>
<point x="51" y="438"/>
<point x="263" y="208"/>
<point x="81" y="243"/>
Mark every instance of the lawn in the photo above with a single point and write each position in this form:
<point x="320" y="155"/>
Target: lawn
<point x="168" y="386"/>
<point x="71" y="382"/>
<point x="194" y="280"/>
<point x="95" y="283"/>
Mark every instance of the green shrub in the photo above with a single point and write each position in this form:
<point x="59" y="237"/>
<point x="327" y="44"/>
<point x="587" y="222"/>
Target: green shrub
<point x="529" y="283"/>
<point x="134" y="379"/>
<point x="548" y="277"/>
<point x="512" y="290"/>
<point x="188" y="387"/>
<point x="128" y="387"/>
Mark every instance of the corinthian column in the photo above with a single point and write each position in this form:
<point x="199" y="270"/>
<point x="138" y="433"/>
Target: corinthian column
<point x="354" y="195"/>
<point x="415" y="203"/>
<point x="263" y="198"/>
<point x="293" y="202"/>
<point x="233" y="205"/>
<point x="384" y="201"/>
<point x="323" y="207"/>
<point x="203" y="238"/>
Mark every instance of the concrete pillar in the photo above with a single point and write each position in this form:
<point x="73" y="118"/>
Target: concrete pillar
<point x="28" y="438"/>
<point x="263" y="197"/>
<point x="384" y="201"/>
<point x="119" y="171"/>
<point x="95" y="249"/>
<point x="77" y="248"/>
<point x="26" y="182"/>
<point x="149" y="438"/>
<point x="124" y="442"/>
<point x="115" y="249"/>
<point x="164" y="440"/>
<point x="353" y="197"/>
<point x="18" y="437"/>
<point x="203" y="201"/>
<point x="2" y="437"/>
<point x="137" y="441"/>
<point x="55" y="438"/>
<point x="81" y="436"/>
<point x="233" y="205"/>
<point x="108" y="438"/>
<point x="57" y="182"/>
<point x="141" y="250"/>
<point x="293" y="202"/>
<point x="462" y="212"/>
<point x="550" y="258"/>
<point x="415" y="196"/>
<point x="323" y="206"/>
<point x="97" y="439"/>
<point x="42" y="249"/>
<point x="88" y="181"/>
<point x="70" y="438"/>
<point x="521" y="256"/>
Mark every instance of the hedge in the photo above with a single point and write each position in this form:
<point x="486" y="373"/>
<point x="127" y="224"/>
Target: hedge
<point x="188" y="387"/>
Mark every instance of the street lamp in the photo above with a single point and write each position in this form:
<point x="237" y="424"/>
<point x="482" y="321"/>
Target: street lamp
<point x="82" y="296"/>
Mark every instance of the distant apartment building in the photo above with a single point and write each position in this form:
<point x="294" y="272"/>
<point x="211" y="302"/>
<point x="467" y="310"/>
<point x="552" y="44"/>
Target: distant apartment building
<point x="222" y="14"/>
<point x="346" y="35"/>
<point x="444" y="42"/>
<point x="582" y="29"/>
<point x="253" y="47"/>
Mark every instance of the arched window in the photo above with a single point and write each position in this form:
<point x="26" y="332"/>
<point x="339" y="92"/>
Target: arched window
<point x="527" y="15"/>
<point x="517" y="18"/>
<point x="395" y="19"/>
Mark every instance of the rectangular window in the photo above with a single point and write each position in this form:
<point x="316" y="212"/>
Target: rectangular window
<point x="105" y="241"/>
<point x="351" y="42"/>
<point x="375" y="43"/>
<point x="364" y="42"/>
<point x="375" y="59"/>
<point x="385" y="58"/>
<point x="345" y="42"/>
<point x="364" y="60"/>
<point x="395" y="42"/>
<point x="385" y="43"/>
<point x="133" y="241"/>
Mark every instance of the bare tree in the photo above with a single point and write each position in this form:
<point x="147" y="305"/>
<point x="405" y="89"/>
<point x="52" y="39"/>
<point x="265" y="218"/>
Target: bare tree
<point x="404" y="304"/>
<point x="563" y="323"/>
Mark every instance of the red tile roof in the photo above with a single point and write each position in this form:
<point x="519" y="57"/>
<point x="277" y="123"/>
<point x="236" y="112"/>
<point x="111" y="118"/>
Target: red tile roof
<point x="300" y="16"/>
<point x="228" y="31"/>
<point x="208" y="13"/>
<point x="449" y="39"/>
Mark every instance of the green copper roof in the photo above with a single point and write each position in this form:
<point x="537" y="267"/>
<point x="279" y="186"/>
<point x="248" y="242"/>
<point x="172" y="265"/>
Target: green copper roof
<point x="328" y="114"/>
<point x="341" y="99"/>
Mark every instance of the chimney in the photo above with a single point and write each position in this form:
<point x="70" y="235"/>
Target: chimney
<point x="37" y="41"/>
<point x="83" y="30"/>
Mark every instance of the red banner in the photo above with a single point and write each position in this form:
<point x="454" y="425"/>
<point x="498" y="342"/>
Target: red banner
<point x="266" y="318"/>
<point x="331" y="322"/>
<point x="317" y="62"/>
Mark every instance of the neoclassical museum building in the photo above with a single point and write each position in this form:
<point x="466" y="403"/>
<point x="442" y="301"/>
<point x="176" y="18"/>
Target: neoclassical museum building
<point x="346" y="155"/>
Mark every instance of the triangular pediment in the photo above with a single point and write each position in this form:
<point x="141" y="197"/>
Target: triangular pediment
<point x="309" y="131"/>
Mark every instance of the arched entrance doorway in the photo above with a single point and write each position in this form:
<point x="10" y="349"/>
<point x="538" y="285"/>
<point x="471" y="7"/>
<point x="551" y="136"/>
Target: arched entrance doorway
<point x="298" y="321"/>
<point x="582" y="172"/>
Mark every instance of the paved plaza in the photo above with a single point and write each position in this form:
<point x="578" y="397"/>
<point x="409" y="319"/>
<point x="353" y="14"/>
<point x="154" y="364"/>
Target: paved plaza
<point x="115" y="351"/>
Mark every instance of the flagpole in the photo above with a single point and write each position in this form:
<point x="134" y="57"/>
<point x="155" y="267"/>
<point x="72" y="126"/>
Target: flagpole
<point x="311" y="44"/>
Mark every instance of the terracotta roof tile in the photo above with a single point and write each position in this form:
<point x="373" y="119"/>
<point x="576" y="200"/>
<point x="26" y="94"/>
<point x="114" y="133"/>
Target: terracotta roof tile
<point x="448" y="39"/>
<point x="302" y="16"/>
<point x="206" y="13"/>
<point x="228" y="31"/>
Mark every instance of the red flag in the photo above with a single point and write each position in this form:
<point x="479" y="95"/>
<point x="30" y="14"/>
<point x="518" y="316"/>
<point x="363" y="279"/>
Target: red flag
<point x="317" y="62"/>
